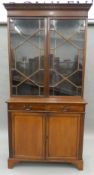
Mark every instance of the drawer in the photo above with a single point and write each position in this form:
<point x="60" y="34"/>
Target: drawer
<point x="65" y="108"/>
<point x="46" y="107"/>
<point x="26" y="106"/>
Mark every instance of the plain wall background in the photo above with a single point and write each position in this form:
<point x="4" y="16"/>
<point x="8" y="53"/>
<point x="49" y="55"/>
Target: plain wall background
<point x="89" y="79"/>
<point x="4" y="76"/>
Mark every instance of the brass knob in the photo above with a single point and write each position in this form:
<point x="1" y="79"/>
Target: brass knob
<point x="65" y="109"/>
<point x="27" y="108"/>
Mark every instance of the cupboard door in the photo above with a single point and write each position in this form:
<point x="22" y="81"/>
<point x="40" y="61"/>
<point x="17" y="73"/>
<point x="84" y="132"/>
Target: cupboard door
<point x="63" y="136"/>
<point x="27" y="38"/>
<point x="28" y="135"/>
<point x="67" y="38"/>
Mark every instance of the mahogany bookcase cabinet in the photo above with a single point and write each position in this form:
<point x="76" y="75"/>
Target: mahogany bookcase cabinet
<point x="46" y="109"/>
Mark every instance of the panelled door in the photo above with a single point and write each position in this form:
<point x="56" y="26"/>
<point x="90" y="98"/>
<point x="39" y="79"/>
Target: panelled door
<point x="28" y="135"/>
<point x="63" y="136"/>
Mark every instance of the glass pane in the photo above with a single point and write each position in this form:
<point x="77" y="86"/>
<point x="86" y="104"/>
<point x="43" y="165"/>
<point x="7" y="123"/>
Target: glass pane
<point x="66" y="56"/>
<point x="27" y="88"/>
<point x="16" y="77"/>
<point x="51" y="59"/>
<point x="41" y="58"/>
<point x="27" y="58"/>
<point x="79" y="91"/>
<point x="54" y="78"/>
<point x="55" y="39"/>
<point x="16" y="39"/>
<point x="26" y="27"/>
<point x="64" y="89"/>
<point x="27" y="54"/>
<point x="14" y="90"/>
<point x="65" y="59"/>
<point x="76" y="78"/>
<point x="38" y="39"/>
<point x="67" y="27"/>
<point x="41" y="91"/>
<point x="78" y="40"/>
<point x="81" y="55"/>
<point x="38" y="78"/>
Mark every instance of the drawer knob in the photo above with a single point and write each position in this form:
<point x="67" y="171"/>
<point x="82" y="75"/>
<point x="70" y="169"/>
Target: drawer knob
<point x="65" y="109"/>
<point x="27" y="108"/>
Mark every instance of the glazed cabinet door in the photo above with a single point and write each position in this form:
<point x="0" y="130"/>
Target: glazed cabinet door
<point x="28" y="135"/>
<point x="63" y="136"/>
<point x="66" y="57"/>
<point x="27" y="39"/>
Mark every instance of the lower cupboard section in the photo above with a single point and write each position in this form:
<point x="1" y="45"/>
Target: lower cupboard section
<point x="45" y="136"/>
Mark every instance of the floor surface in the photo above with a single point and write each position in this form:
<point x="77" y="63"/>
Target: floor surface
<point x="47" y="169"/>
